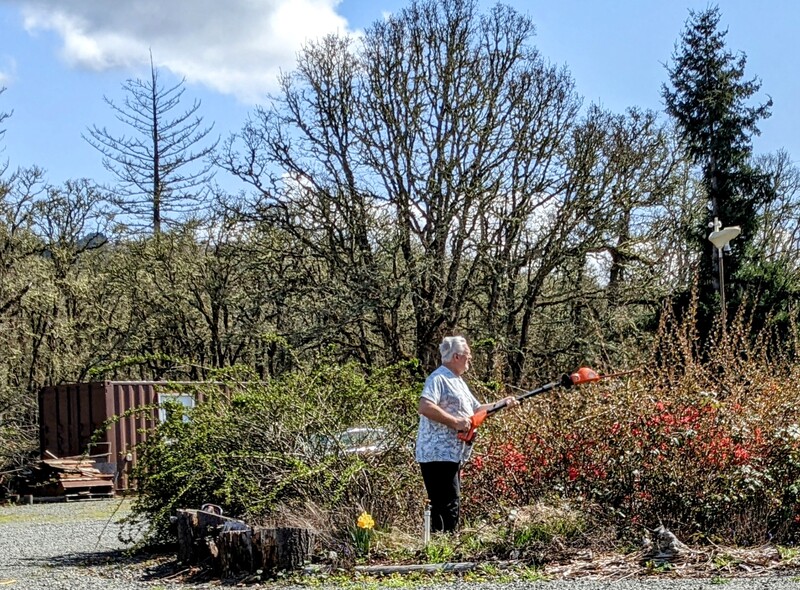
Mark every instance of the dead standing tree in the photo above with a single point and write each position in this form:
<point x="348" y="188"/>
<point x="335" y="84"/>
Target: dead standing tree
<point x="164" y="166"/>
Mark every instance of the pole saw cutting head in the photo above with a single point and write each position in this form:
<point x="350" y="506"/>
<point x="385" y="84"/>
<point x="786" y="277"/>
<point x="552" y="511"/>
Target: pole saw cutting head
<point x="587" y="375"/>
<point x="584" y="375"/>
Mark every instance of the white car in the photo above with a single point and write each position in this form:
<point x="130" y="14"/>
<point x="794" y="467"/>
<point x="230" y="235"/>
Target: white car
<point x="358" y="440"/>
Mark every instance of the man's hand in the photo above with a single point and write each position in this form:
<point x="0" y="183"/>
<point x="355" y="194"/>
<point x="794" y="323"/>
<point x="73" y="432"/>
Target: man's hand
<point x="433" y="412"/>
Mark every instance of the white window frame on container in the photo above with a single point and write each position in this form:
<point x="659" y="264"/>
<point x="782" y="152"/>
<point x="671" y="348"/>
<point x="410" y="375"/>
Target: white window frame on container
<point x="187" y="400"/>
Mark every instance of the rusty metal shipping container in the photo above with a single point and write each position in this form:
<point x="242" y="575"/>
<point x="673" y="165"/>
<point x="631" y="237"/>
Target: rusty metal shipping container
<point x="71" y="414"/>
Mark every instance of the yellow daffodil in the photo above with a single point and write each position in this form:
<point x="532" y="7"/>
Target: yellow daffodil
<point x="365" y="521"/>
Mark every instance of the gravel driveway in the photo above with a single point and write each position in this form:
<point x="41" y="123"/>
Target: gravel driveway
<point x="66" y="545"/>
<point x="74" y="546"/>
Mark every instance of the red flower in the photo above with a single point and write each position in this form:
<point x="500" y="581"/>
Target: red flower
<point x="690" y="414"/>
<point x="573" y="473"/>
<point x="741" y="454"/>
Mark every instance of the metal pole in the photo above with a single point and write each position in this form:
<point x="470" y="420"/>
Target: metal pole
<point x="426" y="524"/>
<point x="722" y="288"/>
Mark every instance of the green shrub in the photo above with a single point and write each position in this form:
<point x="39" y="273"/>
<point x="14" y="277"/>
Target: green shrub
<point x="270" y="450"/>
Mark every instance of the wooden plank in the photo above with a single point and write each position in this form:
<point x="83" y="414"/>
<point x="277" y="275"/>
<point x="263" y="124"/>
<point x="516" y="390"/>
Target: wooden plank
<point x="88" y="496"/>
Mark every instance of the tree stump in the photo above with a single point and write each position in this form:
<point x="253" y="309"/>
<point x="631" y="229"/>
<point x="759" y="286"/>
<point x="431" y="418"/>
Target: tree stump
<point x="198" y="533"/>
<point x="230" y="546"/>
<point x="235" y="552"/>
<point x="283" y="548"/>
<point x="187" y="525"/>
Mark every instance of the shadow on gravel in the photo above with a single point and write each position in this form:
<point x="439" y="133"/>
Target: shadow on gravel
<point x="140" y="565"/>
<point x="147" y="567"/>
<point x="91" y="558"/>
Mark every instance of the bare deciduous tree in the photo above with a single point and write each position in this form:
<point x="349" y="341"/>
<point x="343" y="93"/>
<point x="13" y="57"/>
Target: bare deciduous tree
<point x="399" y="149"/>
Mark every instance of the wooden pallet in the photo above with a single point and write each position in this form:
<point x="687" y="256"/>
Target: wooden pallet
<point x="79" y="497"/>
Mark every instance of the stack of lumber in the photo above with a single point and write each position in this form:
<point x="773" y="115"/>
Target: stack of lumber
<point x="73" y="477"/>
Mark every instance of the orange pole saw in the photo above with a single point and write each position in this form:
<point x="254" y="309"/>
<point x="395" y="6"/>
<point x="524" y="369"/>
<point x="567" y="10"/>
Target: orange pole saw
<point x="582" y="375"/>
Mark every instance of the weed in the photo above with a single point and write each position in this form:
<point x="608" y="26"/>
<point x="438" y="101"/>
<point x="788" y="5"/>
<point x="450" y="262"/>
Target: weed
<point x="659" y="567"/>
<point x="542" y="523"/>
<point x="398" y="581"/>
<point x="788" y="554"/>
<point x="490" y="570"/>
<point x="723" y="560"/>
<point x="439" y="550"/>
<point x="531" y="574"/>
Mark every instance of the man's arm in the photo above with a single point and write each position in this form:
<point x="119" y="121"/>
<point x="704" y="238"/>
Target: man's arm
<point x="433" y="412"/>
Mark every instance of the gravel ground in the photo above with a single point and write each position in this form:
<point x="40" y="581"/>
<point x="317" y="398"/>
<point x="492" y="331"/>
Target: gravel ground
<point x="67" y="545"/>
<point x="74" y="546"/>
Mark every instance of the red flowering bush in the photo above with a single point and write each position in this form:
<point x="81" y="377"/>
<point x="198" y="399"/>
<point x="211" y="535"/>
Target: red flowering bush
<point x="705" y="441"/>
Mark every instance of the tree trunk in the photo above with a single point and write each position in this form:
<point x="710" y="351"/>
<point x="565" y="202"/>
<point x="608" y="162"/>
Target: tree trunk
<point x="198" y="535"/>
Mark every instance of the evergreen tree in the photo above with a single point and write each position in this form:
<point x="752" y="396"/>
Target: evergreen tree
<point x="708" y="101"/>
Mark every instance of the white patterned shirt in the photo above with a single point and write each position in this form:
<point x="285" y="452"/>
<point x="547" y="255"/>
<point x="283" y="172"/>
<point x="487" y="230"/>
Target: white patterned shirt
<point x="435" y="441"/>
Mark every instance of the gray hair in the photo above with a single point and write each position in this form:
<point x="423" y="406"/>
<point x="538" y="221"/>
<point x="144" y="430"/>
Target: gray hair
<point x="452" y="345"/>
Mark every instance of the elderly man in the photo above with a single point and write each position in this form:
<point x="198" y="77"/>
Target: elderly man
<point x="445" y="407"/>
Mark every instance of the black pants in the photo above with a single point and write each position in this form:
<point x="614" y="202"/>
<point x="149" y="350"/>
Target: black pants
<point x="443" y="484"/>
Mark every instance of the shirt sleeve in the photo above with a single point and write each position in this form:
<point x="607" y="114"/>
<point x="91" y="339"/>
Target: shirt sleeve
<point x="432" y="390"/>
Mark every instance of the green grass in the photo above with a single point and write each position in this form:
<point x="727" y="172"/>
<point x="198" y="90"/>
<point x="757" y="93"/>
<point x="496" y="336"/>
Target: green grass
<point x="656" y="567"/>
<point x="483" y="573"/>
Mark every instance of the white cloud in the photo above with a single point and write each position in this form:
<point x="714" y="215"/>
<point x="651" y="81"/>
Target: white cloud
<point x="8" y="69"/>
<point x="236" y="47"/>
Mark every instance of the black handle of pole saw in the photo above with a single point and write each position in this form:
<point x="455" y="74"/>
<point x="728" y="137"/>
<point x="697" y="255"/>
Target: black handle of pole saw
<point x="477" y="419"/>
<point x="566" y="382"/>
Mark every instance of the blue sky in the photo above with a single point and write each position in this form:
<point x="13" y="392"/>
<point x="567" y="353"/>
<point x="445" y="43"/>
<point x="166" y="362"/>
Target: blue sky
<point x="59" y="58"/>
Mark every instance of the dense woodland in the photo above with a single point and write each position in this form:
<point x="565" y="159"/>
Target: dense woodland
<point x="437" y="176"/>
